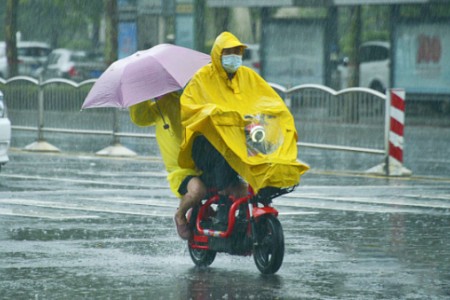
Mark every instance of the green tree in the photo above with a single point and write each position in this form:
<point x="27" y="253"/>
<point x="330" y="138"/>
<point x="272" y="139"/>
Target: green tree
<point x="221" y="20"/>
<point x="199" y="24"/>
<point x="91" y="12"/>
<point x="112" y="19"/>
<point x="61" y="23"/>
<point x="355" y="38"/>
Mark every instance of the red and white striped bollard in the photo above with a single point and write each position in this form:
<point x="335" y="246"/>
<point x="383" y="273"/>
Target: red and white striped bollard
<point x="394" y="159"/>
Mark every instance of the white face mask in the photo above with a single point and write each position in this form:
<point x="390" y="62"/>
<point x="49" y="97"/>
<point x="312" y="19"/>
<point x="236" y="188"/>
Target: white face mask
<point x="231" y="62"/>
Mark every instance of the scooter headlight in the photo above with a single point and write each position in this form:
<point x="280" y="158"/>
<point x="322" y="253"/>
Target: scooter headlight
<point x="257" y="134"/>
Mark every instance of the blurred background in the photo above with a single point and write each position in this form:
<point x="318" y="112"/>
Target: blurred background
<point x="337" y="43"/>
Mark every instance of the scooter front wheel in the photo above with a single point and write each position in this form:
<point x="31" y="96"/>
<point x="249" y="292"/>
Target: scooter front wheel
<point x="268" y="252"/>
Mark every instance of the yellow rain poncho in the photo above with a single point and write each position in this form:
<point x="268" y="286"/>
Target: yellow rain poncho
<point x="215" y="106"/>
<point x="169" y="140"/>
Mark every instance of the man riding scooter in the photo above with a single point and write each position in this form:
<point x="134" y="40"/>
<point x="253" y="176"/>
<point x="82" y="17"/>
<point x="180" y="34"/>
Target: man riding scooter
<point x="218" y="98"/>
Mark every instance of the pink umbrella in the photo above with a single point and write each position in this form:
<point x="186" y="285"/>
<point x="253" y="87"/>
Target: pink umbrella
<point x="145" y="75"/>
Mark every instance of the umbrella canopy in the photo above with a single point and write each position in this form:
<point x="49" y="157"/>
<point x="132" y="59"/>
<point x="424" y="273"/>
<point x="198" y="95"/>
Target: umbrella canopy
<point x="145" y="75"/>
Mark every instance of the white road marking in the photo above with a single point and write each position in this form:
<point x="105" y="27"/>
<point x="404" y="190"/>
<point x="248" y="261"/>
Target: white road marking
<point x="295" y="213"/>
<point x="10" y="212"/>
<point x="311" y="197"/>
<point x="350" y="207"/>
<point x="374" y="200"/>
<point x="84" y="181"/>
<point x="148" y="202"/>
<point x="66" y="206"/>
<point x="434" y="197"/>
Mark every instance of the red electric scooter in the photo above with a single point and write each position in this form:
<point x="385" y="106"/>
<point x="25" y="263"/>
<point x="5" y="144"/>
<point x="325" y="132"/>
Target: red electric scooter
<point x="240" y="226"/>
<point x="243" y="226"/>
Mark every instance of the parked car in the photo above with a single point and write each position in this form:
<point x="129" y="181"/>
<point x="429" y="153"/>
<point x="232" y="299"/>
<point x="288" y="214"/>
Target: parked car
<point x="3" y="60"/>
<point x="5" y="132"/>
<point x="74" y="65"/>
<point x="374" y="65"/>
<point x="251" y="57"/>
<point x="31" y="55"/>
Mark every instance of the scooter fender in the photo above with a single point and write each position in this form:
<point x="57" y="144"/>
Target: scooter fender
<point x="260" y="211"/>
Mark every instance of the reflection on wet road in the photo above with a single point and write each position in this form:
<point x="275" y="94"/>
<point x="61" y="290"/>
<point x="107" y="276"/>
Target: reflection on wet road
<point x="76" y="227"/>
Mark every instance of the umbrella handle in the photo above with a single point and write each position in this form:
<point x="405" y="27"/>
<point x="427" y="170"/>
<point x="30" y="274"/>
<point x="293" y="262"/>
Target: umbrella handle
<point x="166" y="126"/>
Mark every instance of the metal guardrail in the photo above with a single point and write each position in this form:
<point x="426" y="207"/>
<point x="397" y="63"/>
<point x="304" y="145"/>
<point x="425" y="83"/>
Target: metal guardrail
<point x="53" y="106"/>
<point x="353" y="119"/>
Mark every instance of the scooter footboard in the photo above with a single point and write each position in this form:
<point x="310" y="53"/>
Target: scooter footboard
<point x="231" y="220"/>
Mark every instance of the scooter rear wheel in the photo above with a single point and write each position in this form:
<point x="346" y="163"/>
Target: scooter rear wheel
<point x="268" y="253"/>
<point x="202" y="258"/>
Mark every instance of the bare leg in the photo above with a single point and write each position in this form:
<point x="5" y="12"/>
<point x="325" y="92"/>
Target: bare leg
<point x="238" y="191"/>
<point x="196" y="191"/>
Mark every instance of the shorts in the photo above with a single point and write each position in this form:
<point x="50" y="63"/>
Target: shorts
<point x="216" y="172"/>
<point x="182" y="190"/>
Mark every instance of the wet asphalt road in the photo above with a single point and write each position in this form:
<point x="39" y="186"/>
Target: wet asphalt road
<point x="78" y="226"/>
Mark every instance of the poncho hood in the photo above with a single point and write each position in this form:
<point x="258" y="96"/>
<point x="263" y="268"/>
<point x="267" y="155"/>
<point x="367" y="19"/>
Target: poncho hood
<point x="223" y="41"/>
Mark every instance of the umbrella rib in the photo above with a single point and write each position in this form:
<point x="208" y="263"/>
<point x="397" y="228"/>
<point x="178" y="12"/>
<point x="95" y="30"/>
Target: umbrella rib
<point x="164" y="67"/>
